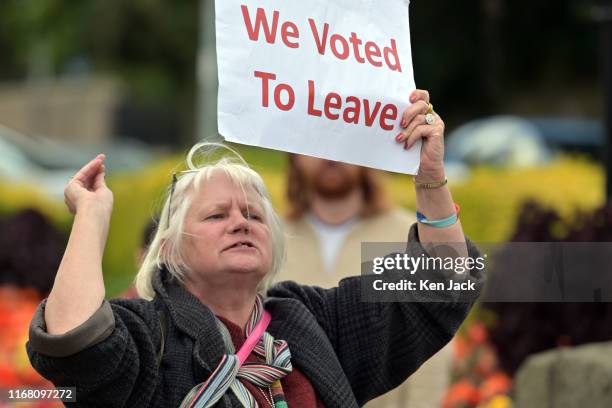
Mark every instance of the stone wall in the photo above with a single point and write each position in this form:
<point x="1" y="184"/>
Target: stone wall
<point x="579" y="377"/>
<point x="75" y="110"/>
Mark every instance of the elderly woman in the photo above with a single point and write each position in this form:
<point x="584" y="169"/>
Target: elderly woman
<point x="204" y="333"/>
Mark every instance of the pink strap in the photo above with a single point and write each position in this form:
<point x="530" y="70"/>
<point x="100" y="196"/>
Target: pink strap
<point x="254" y="337"/>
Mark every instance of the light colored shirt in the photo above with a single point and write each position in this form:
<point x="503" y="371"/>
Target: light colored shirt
<point x="331" y="237"/>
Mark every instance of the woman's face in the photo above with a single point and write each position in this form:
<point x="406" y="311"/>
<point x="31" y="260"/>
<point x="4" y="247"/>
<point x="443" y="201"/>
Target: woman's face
<point x="226" y="238"/>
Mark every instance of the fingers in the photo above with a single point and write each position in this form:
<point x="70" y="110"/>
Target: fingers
<point x="99" y="180"/>
<point x="424" y="130"/>
<point x="417" y="121"/>
<point x="90" y="170"/>
<point x="414" y="117"/>
<point x="420" y="104"/>
<point x="419" y="94"/>
<point x="419" y="133"/>
<point x="420" y="107"/>
<point x="88" y="183"/>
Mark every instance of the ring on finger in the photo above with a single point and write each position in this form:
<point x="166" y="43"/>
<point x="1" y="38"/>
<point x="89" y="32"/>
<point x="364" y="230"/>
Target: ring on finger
<point x="430" y="118"/>
<point x="430" y="109"/>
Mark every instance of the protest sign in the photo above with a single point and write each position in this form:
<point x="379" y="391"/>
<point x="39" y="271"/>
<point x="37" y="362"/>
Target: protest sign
<point x="326" y="79"/>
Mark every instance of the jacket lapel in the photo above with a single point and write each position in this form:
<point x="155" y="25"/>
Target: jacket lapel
<point x="196" y="320"/>
<point x="311" y="350"/>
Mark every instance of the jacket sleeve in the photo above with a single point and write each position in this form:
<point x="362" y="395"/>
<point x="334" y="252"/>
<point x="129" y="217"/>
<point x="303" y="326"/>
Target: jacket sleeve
<point x="380" y="344"/>
<point x="110" y="358"/>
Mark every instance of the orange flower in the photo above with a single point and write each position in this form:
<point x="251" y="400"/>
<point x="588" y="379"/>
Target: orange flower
<point x="16" y="309"/>
<point x="8" y="377"/>
<point x="477" y="332"/>
<point x="497" y="383"/>
<point x="462" y="347"/>
<point x="461" y="393"/>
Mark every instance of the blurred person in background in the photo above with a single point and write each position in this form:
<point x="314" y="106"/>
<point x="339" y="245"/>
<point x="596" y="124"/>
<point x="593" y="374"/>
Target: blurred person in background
<point x="333" y="208"/>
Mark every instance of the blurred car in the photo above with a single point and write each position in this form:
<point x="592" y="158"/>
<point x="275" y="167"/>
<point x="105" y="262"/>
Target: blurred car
<point x="572" y="135"/>
<point x="48" y="164"/>
<point x="511" y="141"/>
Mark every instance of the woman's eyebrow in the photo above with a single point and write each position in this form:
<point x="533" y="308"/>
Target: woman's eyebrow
<point x="224" y="205"/>
<point x="253" y="205"/>
<point x="219" y="205"/>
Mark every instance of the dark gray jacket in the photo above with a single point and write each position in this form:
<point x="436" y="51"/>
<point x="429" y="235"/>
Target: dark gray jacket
<point x="351" y="351"/>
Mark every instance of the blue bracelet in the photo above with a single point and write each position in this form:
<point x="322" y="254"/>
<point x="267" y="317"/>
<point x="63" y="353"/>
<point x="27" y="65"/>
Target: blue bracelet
<point x="445" y="222"/>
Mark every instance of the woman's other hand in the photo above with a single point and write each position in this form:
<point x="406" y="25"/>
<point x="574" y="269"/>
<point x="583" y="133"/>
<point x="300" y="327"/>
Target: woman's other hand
<point x="78" y="290"/>
<point x="88" y="187"/>
<point x="414" y="127"/>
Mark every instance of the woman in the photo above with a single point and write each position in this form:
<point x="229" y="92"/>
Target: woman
<point x="217" y="248"/>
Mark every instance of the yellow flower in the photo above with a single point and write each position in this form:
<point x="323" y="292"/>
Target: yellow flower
<point x="499" y="401"/>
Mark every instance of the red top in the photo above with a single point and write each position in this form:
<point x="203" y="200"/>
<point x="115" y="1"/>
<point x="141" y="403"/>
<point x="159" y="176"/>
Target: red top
<point x="299" y="392"/>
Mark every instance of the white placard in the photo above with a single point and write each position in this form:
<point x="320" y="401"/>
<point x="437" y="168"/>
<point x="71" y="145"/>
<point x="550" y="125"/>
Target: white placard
<point x="324" y="78"/>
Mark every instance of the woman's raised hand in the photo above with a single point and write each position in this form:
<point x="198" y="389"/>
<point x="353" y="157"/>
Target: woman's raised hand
<point x="415" y="126"/>
<point x="88" y="187"/>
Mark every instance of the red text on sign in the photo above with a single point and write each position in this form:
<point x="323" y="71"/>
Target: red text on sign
<point x="351" y="109"/>
<point x="278" y="91"/>
<point x="340" y="48"/>
<point x="351" y="112"/>
<point x="288" y="29"/>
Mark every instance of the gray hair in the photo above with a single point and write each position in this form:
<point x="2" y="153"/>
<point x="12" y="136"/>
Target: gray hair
<point x="165" y="248"/>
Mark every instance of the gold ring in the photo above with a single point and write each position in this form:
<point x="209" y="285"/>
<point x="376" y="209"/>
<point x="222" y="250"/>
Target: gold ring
<point x="430" y="110"/>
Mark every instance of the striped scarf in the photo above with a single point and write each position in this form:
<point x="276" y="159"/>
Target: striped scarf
<point x="277" y="364"/>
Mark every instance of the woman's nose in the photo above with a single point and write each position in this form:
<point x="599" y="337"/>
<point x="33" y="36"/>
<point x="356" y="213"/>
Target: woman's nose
<point x="238" y="222"/>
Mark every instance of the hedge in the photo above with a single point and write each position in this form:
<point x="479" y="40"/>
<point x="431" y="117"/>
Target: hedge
<point x="490" y="200"/>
